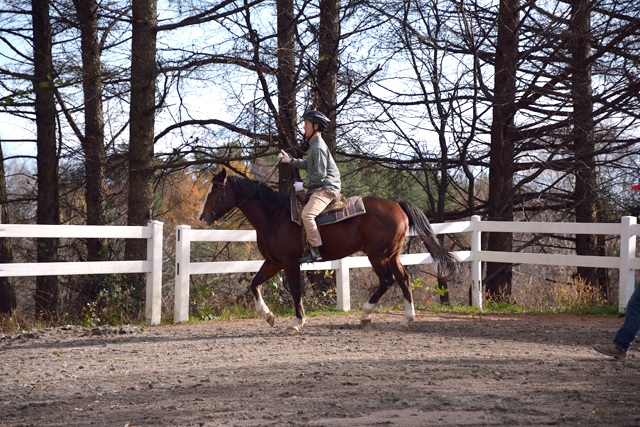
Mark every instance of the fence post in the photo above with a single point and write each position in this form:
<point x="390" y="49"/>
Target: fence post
<point x="476" y="265"/>
<point x="343" y="291"/>
<point x="627" y="253"/>
<point x="153" y="306"/>
<point x="183" y="259"/>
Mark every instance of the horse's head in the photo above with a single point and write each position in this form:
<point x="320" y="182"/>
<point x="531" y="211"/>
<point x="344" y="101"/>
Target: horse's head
<point x="219" y="200"/>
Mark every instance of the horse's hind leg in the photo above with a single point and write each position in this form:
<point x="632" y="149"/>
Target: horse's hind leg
<point x="386" y="280"/>
<point x="403" y="280"/>
<point x="266" y="272"/>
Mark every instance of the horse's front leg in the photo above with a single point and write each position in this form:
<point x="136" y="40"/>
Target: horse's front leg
<point x="266" y="272"/>
<point x="295" y="288"/>
<point x="367" y="309"/>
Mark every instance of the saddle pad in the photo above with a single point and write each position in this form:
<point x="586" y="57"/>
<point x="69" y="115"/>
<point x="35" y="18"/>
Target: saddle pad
<point x="354" y="207"/>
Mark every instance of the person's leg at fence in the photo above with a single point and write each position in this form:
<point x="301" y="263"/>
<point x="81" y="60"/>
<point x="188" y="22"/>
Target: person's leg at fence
<point x="627" y="332"/>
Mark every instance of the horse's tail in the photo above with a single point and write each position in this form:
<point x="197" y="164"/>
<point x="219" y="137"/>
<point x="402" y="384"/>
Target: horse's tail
<point x="419" y="223"/>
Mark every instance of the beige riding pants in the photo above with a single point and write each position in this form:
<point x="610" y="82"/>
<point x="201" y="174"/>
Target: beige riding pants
<point x="318" y="200"/>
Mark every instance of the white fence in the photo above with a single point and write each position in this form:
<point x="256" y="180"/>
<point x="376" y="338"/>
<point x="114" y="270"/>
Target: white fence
<point x="152" y="266"/>
<point x="627" y="262"/>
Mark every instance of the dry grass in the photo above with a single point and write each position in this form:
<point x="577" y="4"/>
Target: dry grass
<point x="533" y="291"/>
<point x="18" y="321"/>
<point x="561" y="296"/>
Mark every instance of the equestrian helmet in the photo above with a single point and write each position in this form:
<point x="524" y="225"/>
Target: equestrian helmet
<point x="315" y="116"/>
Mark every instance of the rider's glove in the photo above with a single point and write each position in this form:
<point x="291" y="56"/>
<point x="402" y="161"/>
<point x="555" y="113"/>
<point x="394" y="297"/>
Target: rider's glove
<point x="284" y="157"/>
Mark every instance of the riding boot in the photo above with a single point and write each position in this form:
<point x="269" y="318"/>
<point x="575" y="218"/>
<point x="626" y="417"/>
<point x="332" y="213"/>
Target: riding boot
<point x="312" y="256"/>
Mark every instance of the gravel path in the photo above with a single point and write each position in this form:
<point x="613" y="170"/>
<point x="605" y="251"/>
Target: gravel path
<point x="446" y="370"/>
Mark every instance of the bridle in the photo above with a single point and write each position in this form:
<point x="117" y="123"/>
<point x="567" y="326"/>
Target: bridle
<point x="222" y="195"/>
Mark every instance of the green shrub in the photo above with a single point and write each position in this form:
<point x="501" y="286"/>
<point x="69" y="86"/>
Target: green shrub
<point x="115" y="305"/>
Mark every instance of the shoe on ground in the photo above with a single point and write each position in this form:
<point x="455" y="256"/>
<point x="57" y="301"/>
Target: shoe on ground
<point x="611" y="350"/>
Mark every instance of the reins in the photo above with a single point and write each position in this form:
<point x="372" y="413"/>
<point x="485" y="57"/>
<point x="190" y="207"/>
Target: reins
<point x="271" y="172"/>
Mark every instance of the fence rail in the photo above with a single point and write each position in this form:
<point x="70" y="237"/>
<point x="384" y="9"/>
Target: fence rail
<point x="627" y="262"/>
<point x="152" y="266"/>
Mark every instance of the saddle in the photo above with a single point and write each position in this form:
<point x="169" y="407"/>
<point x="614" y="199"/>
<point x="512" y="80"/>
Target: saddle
<point x="339" y="209"/>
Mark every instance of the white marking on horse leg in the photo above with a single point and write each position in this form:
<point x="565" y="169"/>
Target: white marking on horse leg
<point x="263" y="310"/>
<point x="409" y="313"/>
<point x="296" y="325"/>
<point x="261" y="307"/>
<point x="367" y="308"/>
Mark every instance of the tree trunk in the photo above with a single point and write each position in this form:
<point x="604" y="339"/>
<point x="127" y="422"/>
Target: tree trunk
<point x="442" y="197"/>
<point x="586" y="201"/>
<point x="286" y="119"/>
<point x="48" y="207"/>
<point x="141" y="128"/>
<point x="500" y="204"/>
<point x="443" y="182"/>
<point x="327" y="78"/>
<point x="326" y="96"/>
<point x="93" y="141"/>
<point x="7" y="288"/>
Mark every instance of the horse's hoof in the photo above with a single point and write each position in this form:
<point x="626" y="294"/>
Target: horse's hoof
<point x="292" y="330"/>
<point x="270" y="319"/>
<point x="405" y="324"/>
<point x="365" y="322"/>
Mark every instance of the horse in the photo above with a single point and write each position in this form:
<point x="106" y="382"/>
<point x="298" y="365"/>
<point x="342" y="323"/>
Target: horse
<point x="380" y="233"/>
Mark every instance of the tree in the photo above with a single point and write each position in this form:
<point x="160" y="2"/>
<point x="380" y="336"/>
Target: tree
<point x="286" y="80"/>
<point x="141" y="131"/>
<point x="93" y="139"/>
<point x="503" y="136"/>
<point x="48" y="210"/>
<point x="7" y="288"/>
<point x="578" y="41"/>
<point x="326" y="79"/>
<point x="325" y="92"/>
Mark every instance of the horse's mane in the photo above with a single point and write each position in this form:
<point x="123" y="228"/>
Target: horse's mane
<point x="247" y="188"/>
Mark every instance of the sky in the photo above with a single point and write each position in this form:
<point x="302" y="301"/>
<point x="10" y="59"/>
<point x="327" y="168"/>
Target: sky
<point x="13" y="129"/>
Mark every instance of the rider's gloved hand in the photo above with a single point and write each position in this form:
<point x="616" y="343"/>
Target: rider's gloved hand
<point x="284" y="157"/>
<point x="298" y="186"/>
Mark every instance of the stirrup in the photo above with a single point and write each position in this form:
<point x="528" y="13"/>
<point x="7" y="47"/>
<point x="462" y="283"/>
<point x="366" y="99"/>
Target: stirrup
<point x="312" y="256"/>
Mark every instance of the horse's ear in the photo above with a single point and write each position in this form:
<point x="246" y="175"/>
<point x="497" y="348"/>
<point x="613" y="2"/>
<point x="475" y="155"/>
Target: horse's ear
<point x="220" y="176"/>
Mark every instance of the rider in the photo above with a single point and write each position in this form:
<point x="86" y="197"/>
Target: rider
<point x="323" y="179"/>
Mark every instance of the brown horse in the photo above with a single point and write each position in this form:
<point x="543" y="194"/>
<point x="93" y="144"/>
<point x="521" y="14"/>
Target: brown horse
<point x="380" y="233"/>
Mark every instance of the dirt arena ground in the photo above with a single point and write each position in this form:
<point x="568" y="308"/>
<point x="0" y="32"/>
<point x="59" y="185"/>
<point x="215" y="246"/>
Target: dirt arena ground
<point x="446" y="370"/>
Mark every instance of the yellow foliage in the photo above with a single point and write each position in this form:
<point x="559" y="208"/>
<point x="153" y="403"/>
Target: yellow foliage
<point x="181" y="197"/>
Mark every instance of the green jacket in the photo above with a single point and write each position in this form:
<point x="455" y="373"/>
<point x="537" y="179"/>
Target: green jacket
<point x="322" y="171"/>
